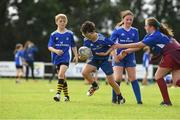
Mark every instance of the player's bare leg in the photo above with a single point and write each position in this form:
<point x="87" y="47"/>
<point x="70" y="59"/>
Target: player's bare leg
<point x="118" y="72"/>
<point x="116" y="88"/>
<point x="19" y="75"/>
<point x="86" y="72"/>
<point x="61" y="78"/>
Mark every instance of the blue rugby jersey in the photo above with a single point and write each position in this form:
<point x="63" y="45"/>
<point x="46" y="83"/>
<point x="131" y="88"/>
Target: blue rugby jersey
<point x="156" y="41"/>
<point x="122" y="36"/>
<point x="62" y="41"/>
<point x="102" y="44"/>
<point x="29" y="53"/>
<point x="18" y="58"/>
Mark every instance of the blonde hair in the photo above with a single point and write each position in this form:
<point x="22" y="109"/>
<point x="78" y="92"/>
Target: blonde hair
<point x="157" y="25"/>
<point x="17" y="47"/>
<point x="123" y="15"/>
<point x="62" y="16"/>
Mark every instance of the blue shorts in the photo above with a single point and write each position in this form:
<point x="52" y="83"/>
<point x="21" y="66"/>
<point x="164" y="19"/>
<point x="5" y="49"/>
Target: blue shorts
<point x="59" y="65"/>
<point x="128" y="61"/>
<point x="125" y="63"/>
<point x="19" y="67"/>
<point x="105" y="65"/>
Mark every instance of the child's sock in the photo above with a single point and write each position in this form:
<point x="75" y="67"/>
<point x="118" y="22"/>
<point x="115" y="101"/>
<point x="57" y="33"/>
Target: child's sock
<point x="136" y="89"/>
<point x="114" y="94"/>
<point x="163" y="88"/>
<point x="60" y="85"/>
<point x="65" y="89"/>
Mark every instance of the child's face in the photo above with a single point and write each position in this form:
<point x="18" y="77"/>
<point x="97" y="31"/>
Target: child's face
<point x="20" y="48"/>
<point x="149" y="29"/>
<point x="89" y="36"/>
<point x="128" y="20"/>
<point x="61" y="23"/>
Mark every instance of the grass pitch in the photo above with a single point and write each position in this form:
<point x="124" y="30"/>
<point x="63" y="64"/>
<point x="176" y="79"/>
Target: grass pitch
<point x="34" y="100"/>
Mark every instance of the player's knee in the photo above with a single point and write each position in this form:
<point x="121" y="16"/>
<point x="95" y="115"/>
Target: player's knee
<point x="132" y="78"/>
<point x="61" y="75"/>
<point x="110" y="78"/>
<point x="20" y="74"/>
<point x="84" y="73"/>
<point x="118" y="78"/>
<point x="110" y="81"/>
<point x="156" y="77"/>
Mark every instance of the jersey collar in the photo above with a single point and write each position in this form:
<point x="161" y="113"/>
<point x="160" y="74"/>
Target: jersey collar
<point x="62" y="32"/>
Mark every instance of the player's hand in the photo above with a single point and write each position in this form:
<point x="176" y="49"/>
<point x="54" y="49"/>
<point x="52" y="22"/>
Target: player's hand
<point x="82" y="58"/>
<point x="101" y="54"/>
<point x="75" y="60"/>
<point x="116" y="59"/>
<point x="122" y="55"/>
<point x="59" y="52"/>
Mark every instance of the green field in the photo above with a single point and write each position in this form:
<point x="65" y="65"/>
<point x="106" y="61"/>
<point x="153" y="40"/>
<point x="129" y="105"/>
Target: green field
<point x="33" y="100"/>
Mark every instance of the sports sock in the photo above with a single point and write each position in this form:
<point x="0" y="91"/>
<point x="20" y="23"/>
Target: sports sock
<point x="94" y="84"/>
<point x="60" y="85"/>
<point x="120" y="96"/>
<point x="178" y="83"/>
<point x="163" y="88"/>
<point x="136" y="90"/>
<point x="65" y="89"/>
<point x="114" y="93"/>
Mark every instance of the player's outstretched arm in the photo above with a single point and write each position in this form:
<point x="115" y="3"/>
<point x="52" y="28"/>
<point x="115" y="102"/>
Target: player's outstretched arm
<point x="105" y="53"/>
<point x="74" y="49"/>
<point x="130" y="50"/>
<point x="131" y="45"/>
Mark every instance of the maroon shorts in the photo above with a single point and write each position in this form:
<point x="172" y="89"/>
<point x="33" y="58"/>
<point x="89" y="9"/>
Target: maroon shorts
<point x="168" y="61"/>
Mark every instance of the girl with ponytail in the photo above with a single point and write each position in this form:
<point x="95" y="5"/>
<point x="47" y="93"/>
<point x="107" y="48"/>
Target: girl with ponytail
<point x="160" y="39"/>
<point x="124" y="33"/>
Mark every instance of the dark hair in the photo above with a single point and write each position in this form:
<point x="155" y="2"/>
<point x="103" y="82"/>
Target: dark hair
<point x="88" y="27"/>
<point x="162" y="27"/>
<point x="124" y="14"/>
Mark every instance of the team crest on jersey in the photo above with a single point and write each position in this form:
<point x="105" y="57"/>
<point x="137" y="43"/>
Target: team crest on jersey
<point x="122" y="34"/>
<point x="128" y="38"/>
<point x="67" y="38"/>
<point x="56" y="38"/>
<point x="133" y="34"/>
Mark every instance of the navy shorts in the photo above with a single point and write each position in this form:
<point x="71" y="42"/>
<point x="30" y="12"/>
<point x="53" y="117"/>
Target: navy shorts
<point x="59" y="65"/>
<point x="128" y="61"/>
<point x="125" y="63"/>
<point x="105" y="65"/>
<point x="19" y="66"/>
